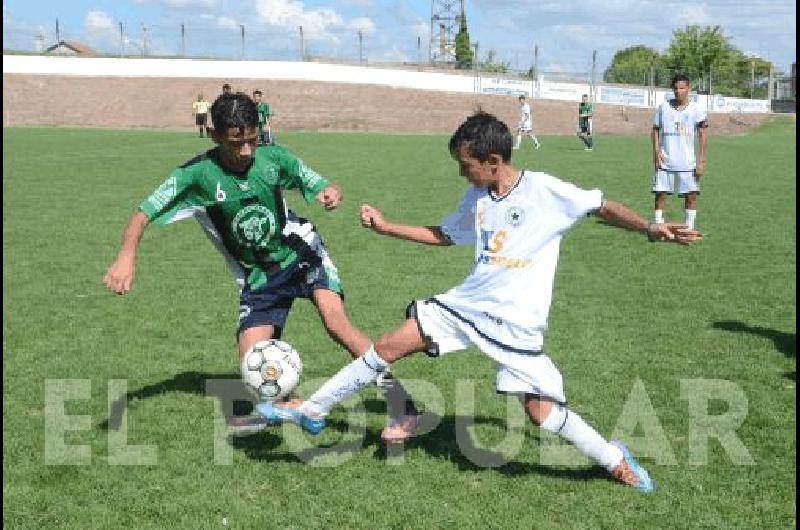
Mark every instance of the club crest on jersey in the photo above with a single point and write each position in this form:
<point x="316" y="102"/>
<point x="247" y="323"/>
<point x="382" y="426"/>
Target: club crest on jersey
<point x="515" y="216"/>
<point x="254" y="225"/>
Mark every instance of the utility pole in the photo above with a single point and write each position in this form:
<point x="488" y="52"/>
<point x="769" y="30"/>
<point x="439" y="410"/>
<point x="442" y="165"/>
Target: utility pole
<point x="241" y="26"/>
<point x="360" y="48"/>
<point x="121" y="41"/>
<point x="477" y="82"/>
<point x="594" y="65"/>
<point x="419" y="53"/>
<point x="770" y="87"/>
<point x="752" y="78"/>
<point x="302" y="46"/>
<point x="58" y="33"/>
<point x="535" y="80"/>
<point x="144" y="40"/>
<point x="183" y="40"/>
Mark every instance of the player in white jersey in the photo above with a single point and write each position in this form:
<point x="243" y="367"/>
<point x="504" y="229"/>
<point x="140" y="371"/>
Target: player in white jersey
<point x="515" y="219"/>
<point x="673" y="137"/>
<point x="525" y="124"/>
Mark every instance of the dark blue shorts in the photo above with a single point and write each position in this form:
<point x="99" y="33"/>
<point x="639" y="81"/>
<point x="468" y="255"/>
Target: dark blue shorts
<point x="270" y="305"/>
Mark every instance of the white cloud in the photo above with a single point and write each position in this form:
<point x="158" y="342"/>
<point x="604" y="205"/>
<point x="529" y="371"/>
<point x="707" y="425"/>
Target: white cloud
<point x="364" y="24"/>
<point x="99" y="22"/>
<point x="227" y="23"/>
<point x="290" y="14"/>
<point x="183" y="4"/>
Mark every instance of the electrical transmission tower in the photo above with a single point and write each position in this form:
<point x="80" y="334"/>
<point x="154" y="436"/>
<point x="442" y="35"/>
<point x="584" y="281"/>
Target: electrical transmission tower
<point x="445" y="21"/>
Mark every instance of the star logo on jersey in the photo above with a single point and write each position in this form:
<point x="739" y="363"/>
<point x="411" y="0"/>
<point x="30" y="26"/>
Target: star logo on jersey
<point x="254" y="225"/>
<point x="515" y="216"/>
<point x="244" y="186"/>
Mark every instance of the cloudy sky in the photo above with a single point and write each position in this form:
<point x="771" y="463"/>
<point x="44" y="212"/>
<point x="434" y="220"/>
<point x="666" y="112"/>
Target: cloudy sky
<point x="566" y="31"/>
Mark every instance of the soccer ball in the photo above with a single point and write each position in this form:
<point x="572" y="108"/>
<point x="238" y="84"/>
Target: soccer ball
<point x="271" y="368"/>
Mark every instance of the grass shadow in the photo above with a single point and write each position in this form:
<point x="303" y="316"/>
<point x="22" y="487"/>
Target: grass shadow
<point x="191" y="382"/>
<point x="785" y="343"/>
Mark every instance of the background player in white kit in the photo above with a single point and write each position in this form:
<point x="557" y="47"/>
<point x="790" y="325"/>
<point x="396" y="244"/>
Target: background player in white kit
<point x="525" y="124"/>
<point x="515" y="219"/>
<point x="673" y="139"/>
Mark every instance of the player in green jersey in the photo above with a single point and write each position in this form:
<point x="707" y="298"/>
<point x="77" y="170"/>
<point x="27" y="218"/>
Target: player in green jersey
<point x="235" y="191"/>
<point x="585" y="122"/>
<point x="264" y="114"/>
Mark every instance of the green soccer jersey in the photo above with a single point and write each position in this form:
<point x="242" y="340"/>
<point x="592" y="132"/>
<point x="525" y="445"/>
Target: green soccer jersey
<point x="264" y="113"/>
<point x="244" y="215"/>
<point x="584" y="108"/>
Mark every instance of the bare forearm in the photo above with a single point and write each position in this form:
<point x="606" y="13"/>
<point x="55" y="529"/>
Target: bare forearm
<point x="618" y="214"/>
<point x="428" y="235"/>
<point x="133" y="233"/>
<point x="702" y="145"/>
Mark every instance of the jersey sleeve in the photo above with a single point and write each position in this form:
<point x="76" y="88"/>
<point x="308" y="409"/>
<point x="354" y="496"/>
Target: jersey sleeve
<point x="459" y="226"/>
<point x="568" y="200"/>
<point x="700" y="115"/>
<point x="177" y="198"/>
<point x="295" y="174"/>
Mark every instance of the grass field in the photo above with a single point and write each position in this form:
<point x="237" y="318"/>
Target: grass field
<point x="634" y="328"/>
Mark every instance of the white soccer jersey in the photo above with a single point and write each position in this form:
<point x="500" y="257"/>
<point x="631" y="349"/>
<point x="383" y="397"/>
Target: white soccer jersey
<point x="516" y="237"/>
<point x="677" y="131"/>
<point x="525" y="120"/>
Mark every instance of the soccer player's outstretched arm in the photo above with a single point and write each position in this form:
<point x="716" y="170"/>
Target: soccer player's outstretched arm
<point x="119" y="276"/>
<point x="372" y="218"/>
<point x="618" y="214"/>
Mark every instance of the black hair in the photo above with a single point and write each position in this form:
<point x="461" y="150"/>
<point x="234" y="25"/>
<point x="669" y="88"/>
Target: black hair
<point x="233" y="111"/>
<point x="484" y="135"/>
<point x="680" y="77"/>
<point x="258" y="92"/>
<point x="522" y="96"/>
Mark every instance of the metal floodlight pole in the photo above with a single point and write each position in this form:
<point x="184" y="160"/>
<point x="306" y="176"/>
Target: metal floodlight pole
<point x="58" y="33"/>
<point x="144" y="40"/>
<point x="419" y="53"/>
<point x="302" y="45"/>
<point x="752" y="79"/>
<point x="183" y="40"/>
<point x="241" y="26"/>
<point x="594" y="65"/>
<point x="121" y="41"/>
<point x="535" y="73"/>
<point x="360" y="48"/>
<point x="477" y="81"/>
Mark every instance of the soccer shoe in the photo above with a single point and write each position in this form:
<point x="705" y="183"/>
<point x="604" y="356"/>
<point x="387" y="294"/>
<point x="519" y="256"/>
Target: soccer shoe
<point x="399" y="430"/>
<point x="246" y="425"/>
<point x="630" y="472"/>
<point x="281" y="414"/>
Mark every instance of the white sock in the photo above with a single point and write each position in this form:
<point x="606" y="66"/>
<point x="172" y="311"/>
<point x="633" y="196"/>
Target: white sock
<point x="572" y="428"/>
<point x="358" y="374"/>
<point x="658" y="216"/>
<point x="518" y="142"/>
<point x="689" y="217"/>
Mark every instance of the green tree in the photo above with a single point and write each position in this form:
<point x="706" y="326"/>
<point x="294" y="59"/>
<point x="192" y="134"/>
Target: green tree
<point x="696" y="51"/>
<point x="492" y="65"/>
<point x="632" y="66"/>
<point x="463" y="47"/>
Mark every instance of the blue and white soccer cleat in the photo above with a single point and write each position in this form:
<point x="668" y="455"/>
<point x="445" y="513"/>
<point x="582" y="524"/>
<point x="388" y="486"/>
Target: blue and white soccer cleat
<point x="630" y="472"/>
<point x="276" y="414"/>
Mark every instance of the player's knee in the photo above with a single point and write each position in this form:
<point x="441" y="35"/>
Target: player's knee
<point x="539" y="410"/>
<point x="388" y="349"/>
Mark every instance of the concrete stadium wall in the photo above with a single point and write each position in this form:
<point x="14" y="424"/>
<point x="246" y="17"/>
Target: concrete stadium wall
<point x="166" y="102"/>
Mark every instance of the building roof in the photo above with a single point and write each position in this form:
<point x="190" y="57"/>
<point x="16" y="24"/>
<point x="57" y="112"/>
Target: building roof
<point x="70" y="48"/>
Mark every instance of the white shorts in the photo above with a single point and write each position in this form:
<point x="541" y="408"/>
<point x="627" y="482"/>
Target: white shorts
<point x="663" y="181"/>
<point x="518" y="371"/>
